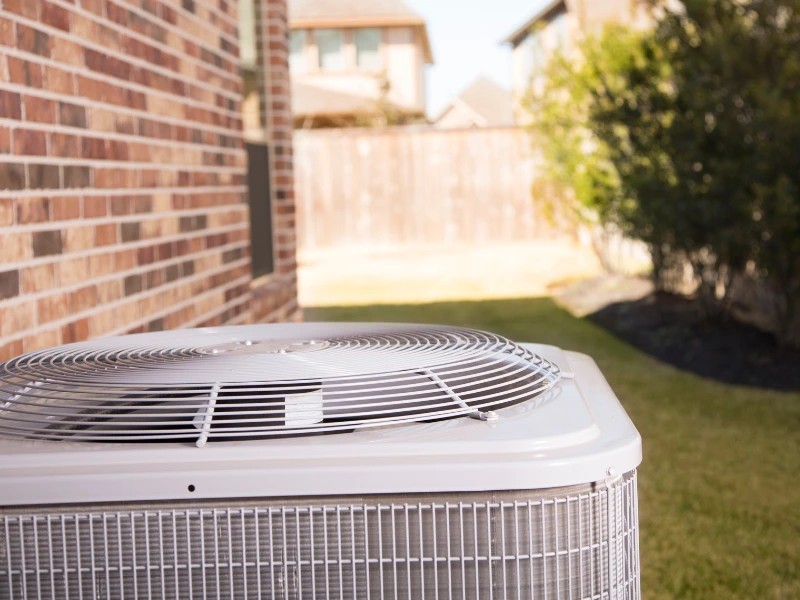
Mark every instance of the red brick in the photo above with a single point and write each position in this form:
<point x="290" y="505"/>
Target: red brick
<point x="124" y="260"/>
<point x="83" y="299"/>
<point x="71" y="115"/>
<point x="94" y="207"/>
<point x="12" y="176"/>
<point x="51" y="308"/>
<point x="58" y="80"/>
<point x="33" y="40"/>
<point x="109" y="291"/>
<point x="16" y="247"/>
<point x="26" y="8"/>
<point x="121" y="205"/>
<point x="63" y="79"/>
<point x="116" y="150"/>
<point x="6" y="212"/>
<point x="44" y="176"/>
<point x="85" y="28"/>
<point x="17" y="318"/>
<point x="77" y="176"/>
<point x="75" y="332"/>
<point x="24" y="72"/>
<point x="33" y="210"/>
<point x="44" y="339"/>
<point x="55" y="16"/>
<point x="71" y="272"/>
<point x="95" y="6"/>
<point x="10" y="350"/>
<point x="62" y="144"/>
<point x="40" y="110"/>
<point x="78" y="238"/>
<point x="124" y="124"/>
<point x="38" y="279"/>
<point x="93" y="147"/>
<point x="90" y="88"/>
<point x="68" y="52"/>
<point x="99" y="265"/>
<point x="10" y="105"/>
<point x="64" y="208"/>
<point x="5" y="140"/>
<point x="105" y="235"/>
<point x="8" y="35"/>
<point x="29" y="142"/>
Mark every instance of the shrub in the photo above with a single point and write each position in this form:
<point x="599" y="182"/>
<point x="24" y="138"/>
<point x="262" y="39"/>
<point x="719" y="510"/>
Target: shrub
<point x="686" y="136"/>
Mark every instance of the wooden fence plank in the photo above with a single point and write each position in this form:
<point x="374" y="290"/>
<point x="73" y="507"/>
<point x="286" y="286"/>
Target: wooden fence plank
<point x="406" y="186"/>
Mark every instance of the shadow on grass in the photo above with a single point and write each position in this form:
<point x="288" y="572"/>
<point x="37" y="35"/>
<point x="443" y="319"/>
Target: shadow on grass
<point x="719" y="494"/>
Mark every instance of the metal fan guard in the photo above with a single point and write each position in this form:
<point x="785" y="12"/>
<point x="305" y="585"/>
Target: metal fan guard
<point x="252" y="382"/>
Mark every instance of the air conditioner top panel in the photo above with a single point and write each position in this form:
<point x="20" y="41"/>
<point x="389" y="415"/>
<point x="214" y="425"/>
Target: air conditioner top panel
<point x="565" y="428"/>
<point x="262" y="381"/>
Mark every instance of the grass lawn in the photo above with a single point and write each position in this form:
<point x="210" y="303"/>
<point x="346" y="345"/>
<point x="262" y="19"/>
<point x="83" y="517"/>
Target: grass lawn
<point x="720" y="482"/>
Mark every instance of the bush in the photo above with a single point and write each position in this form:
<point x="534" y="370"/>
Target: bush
<point x="686" y="137"/>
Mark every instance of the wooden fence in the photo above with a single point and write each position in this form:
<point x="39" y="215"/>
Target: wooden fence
<point x="406" y="186"/>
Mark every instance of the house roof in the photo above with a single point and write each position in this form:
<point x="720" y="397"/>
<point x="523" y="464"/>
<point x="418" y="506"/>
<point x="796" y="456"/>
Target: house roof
<point x="312" y="100"/>
<point x="350" y="11"/>
<point x="551" y="9"/>
<point x="489" y="103"/>
<point x="311" y="14"/>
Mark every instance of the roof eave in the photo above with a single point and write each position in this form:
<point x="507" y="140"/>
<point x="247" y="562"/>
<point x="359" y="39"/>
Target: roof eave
<point x="427" y="51"/>
<point x="319" y="22"/>
<point x="519" y="34"/>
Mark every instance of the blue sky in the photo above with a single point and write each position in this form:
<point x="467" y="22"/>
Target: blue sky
<point x="465" y="35"/>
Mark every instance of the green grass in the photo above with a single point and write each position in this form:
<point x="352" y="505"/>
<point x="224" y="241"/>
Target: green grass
<point x="720" y="482"/>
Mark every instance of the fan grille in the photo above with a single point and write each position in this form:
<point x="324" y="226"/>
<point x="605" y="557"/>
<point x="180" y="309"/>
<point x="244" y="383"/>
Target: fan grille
<point x="263" y="381"/>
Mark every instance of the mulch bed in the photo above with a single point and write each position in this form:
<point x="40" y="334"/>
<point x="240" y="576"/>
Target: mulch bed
<point x="670" y="328"/>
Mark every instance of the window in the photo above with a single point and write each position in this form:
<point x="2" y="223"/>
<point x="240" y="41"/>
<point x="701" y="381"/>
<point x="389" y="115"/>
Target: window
<point x="532" y="59"/>
<point x="560" y="24"/>
<point x="297" y="51"/>
<point x="330" y="43"/>
<point x="261" y="234"/>
<point x="368" y="49"/>
<point x="261" y="248"/>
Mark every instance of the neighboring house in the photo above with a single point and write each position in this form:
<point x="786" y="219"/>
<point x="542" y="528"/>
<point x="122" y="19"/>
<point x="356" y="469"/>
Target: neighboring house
<point x="124" y="182"/>
<point x="556" y="26"/>
<point x="350" y="59"/>
<point x="482" y="104"/>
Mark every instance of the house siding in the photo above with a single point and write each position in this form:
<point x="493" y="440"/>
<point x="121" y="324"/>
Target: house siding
<point x="123" y="205"/>
<point x="403" y="67"/>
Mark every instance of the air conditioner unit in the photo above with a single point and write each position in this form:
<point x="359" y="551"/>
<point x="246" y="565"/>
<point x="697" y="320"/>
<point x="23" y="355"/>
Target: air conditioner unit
<point x="315" y="461"/>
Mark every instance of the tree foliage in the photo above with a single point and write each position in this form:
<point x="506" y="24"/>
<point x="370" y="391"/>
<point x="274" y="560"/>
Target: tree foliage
<point x="687" y="136"/>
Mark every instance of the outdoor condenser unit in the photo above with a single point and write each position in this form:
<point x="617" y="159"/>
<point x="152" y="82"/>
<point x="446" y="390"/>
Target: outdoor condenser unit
<point x="315" y="461"/>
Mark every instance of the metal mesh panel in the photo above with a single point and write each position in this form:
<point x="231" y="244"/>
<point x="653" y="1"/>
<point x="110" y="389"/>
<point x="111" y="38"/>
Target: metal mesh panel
<point x="579" y="542"/>
<point x="246" y="382"/>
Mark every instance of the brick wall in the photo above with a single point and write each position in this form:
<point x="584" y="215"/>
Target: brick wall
<point x="123" y="205"/>
<point x="272" y="51"/>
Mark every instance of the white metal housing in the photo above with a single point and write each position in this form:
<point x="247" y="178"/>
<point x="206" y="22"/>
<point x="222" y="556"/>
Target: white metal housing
<point x="535" y="497"/>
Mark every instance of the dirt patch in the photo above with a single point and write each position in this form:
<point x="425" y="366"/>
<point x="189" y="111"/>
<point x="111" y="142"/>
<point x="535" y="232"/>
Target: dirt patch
<point x="671" y="329"/>
<point x="436" y="273"/>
